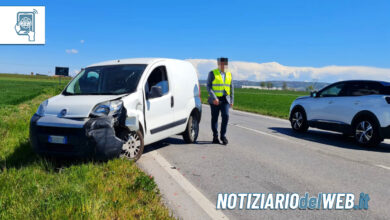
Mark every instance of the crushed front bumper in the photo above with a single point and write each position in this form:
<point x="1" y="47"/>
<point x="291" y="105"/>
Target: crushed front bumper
<point x="94" y="137"/>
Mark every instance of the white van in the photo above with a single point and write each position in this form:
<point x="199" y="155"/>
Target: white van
<point x="114" y="108"/>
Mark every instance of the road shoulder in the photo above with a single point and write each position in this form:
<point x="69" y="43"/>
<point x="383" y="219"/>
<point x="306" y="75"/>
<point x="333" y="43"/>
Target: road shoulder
<point x="185" y="201"/>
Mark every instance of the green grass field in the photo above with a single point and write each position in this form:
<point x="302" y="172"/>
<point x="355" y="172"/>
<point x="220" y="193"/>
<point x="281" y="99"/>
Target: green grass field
<point x="267" y="102"/>
<point x="32" y="187"/>
<point x="15" y="89"/>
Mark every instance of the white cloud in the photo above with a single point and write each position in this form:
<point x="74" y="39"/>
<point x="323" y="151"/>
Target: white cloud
<point x="71" y="51"/>
<point x="275" y="71"/>
<point x="82" y="41"/>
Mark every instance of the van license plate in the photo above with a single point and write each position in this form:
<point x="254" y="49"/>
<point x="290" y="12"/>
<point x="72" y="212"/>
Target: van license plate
<point x="57" y="139"/>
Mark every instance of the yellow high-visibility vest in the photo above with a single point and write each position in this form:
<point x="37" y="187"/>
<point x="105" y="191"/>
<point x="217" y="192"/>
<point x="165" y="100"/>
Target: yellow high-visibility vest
<point x="218" y="85"/>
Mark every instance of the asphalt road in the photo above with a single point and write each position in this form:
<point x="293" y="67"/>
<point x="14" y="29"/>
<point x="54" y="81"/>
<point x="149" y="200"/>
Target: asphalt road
<point x="264" y="155"/>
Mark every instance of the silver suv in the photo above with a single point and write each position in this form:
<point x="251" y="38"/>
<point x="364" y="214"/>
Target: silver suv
<point x="360" y="108"/>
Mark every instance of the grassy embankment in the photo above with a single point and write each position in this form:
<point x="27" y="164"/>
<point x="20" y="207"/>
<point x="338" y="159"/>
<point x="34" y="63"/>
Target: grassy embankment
<point x="267" y="102"/>
<point x="32" y="187"/>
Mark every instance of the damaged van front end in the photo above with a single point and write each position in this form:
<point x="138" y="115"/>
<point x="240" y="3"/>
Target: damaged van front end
<point x="96" y="115"/>
<point x="102" y="135"/>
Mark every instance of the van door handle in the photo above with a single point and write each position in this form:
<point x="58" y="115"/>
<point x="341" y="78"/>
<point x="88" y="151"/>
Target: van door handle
<point x="357" y="103"/>
<point x="172" y="102"/>
<point x="330" y="102"/>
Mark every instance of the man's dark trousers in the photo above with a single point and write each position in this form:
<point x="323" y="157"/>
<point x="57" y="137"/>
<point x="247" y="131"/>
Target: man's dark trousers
<point x="223" y="107"/>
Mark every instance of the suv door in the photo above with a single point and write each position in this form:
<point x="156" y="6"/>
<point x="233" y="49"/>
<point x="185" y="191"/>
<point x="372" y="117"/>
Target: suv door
<point x="323" y="106"/>
<point x="158" y="109"/>
<point x="357" y="92"/>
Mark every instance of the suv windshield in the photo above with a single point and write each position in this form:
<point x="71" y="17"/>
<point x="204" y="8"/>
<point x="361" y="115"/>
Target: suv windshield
<point x="106" y="80"/>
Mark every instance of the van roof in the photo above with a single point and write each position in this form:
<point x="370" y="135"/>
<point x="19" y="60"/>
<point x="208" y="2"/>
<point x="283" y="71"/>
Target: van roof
<point x="146" y="61"/>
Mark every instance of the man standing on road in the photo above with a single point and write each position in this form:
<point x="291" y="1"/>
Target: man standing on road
<point x="221" y="97"/>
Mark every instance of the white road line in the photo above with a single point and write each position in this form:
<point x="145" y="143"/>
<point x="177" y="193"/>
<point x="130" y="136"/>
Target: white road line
<point x="195" y="194"/>
<point x="382" y="166"/>
<point x="264" y="133"/>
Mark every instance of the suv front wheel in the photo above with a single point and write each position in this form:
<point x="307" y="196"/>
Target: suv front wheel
<point x="366" y="132"/>
<point x="298" y="120"/>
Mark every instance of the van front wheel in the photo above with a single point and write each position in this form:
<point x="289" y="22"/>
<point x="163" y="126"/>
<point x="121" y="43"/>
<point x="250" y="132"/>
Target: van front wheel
<point x="192" y="130"/>
<point x="133" y="145"/>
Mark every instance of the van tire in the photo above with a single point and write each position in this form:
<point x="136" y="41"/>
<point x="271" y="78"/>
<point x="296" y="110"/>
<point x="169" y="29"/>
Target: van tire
<point x="128" y="149"/>
<point x="192" y="130"/>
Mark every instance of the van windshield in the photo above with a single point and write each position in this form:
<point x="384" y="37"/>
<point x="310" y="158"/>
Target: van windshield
<point x="106" y="80"/>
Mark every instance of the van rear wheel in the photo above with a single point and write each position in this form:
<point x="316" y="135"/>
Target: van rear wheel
<point x="192" y="130"/>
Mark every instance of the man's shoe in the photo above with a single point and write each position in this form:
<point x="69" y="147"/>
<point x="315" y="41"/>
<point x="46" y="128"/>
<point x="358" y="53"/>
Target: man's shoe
<point x="216" y="141"/>
<point x="224" y="140"/>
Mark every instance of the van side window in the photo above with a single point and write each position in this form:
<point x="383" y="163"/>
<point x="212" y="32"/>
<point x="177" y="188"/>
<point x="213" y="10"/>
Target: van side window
<point x="158" y="77"/>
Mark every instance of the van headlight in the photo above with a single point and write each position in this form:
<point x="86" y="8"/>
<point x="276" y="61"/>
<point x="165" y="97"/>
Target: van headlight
<point x="42" y="108"/>
<point x="107" y="108"/>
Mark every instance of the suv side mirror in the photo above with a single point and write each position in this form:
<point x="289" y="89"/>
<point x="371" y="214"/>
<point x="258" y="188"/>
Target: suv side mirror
<point x="155" y="92"/>
<point x="314" y="94"/>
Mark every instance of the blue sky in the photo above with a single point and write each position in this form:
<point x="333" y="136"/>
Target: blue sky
<point x="309" y="33"/>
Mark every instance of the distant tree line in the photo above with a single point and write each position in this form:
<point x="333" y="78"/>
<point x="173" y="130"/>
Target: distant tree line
<point x="269" y="85"/>
<point x="266" y="84"/>
<point x="310" y="88"/>
<point x="284" y="86"/>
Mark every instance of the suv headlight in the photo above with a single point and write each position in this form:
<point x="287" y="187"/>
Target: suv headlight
<point x="42" y="108"/>
<point x="107" y="108"/>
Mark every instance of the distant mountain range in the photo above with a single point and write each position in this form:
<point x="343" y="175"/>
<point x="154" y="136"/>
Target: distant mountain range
<point x="294" y="85"/>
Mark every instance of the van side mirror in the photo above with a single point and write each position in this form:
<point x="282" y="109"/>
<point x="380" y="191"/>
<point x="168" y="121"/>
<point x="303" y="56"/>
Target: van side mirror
<point x="155" y="92"/>
<point x="314" y="94"/>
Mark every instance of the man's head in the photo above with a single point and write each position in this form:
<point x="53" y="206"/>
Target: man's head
<point x="222" y="63"/>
